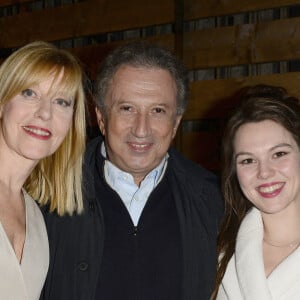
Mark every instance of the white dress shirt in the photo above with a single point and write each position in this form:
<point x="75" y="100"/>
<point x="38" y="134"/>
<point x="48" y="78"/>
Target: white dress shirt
<point x="134" y="197"/>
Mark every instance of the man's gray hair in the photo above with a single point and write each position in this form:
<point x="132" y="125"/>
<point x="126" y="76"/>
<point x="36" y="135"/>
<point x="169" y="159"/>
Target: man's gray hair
<point x="145" y="55"/>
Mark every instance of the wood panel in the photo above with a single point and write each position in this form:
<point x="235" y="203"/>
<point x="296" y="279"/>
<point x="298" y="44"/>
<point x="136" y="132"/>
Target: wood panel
<point x="208" y="8"/>
<point x="226" y="46"/>
<point x="92" y="56"/>
<point x="4" y="3"/>
<point x="243" y="44"/>
<point x="83" y="19"/>
<point x="211" y="98"/>
<point x="203" y="148"/>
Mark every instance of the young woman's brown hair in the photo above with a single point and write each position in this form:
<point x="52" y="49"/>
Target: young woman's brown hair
<point x="257" y="103"/>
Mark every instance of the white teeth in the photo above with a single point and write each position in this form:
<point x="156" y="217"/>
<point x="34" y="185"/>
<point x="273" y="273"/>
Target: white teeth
<point x="270" y="189"/>
<point x="139" y="146"/>
<point x="37" y="131"/>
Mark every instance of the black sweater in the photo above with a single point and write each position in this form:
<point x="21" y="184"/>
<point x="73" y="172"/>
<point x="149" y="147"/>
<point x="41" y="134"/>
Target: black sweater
<point x="142" y="262"/>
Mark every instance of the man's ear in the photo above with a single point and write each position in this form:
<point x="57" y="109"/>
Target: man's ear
<point x="176" y="125"/>
<point x="100" y="120"/>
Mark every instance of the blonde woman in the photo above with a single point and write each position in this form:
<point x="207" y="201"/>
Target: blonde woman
<point x="42" y="138"/>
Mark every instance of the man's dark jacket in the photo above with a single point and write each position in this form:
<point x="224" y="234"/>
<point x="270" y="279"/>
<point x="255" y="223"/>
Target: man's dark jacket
<point x="76" y="243"/>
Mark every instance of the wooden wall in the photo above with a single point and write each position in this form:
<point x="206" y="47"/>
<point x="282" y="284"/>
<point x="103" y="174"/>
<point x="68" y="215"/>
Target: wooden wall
<point x="226" y="45"/>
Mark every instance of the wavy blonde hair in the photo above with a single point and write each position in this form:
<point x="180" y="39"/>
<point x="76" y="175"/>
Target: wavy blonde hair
<point x="56" y="179"/>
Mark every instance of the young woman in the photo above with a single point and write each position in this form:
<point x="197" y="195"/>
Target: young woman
<point x="260" y="235"/>
<point x="42" y="138"/>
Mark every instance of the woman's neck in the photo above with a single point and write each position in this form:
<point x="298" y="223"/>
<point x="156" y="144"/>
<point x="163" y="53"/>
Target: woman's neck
<point x="283" y="228"/>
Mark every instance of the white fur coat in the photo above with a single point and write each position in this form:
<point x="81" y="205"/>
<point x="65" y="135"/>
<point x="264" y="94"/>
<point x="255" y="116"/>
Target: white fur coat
<point x="245" y="277"/>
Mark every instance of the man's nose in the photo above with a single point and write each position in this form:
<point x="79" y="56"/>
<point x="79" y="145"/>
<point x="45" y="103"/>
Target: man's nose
<point x="141" y="127"/>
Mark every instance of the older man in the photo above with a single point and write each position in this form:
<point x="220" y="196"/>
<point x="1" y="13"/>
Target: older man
<point x="150" y="224"/>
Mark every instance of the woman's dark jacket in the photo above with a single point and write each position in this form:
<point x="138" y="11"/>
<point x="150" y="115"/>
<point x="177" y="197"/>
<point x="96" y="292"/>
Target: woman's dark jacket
<point x="76" y="242"/>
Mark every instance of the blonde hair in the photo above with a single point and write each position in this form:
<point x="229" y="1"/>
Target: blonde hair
<point x="56" y="179"/>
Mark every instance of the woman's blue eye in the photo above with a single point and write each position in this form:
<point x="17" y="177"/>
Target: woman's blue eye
<point x="63" y="102"/>
<point x="28" y="93"/>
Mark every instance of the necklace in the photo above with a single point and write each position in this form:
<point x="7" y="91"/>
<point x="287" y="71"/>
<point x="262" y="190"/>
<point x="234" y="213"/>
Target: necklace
<point x="293" y="244"/>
